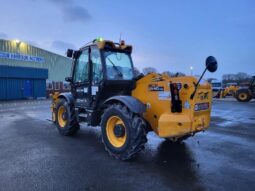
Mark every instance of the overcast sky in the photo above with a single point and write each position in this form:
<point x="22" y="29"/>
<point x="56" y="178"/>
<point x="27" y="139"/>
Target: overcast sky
<point x="168" y="35"/>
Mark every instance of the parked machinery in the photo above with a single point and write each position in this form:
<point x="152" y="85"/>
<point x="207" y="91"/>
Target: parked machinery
<point x="227" y="91"/>
<point x="105" y="92"/>
<point x="247" y="93"/>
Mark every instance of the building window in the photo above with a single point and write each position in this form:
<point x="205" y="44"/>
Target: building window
<point x="57" y="85"/>
<point x="49" y="85"/>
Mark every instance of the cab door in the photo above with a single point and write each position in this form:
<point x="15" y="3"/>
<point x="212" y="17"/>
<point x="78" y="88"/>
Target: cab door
<point x="97" y="76"/>
<point x="81" y="86"/>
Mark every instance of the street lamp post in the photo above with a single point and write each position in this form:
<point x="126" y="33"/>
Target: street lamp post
<point x="191" y="70"/>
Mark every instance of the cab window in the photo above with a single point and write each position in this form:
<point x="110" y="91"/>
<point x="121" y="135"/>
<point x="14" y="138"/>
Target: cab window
<point x="96" y="65"/>
<point x="81" y="71"/>
<point x="118" y="65"/>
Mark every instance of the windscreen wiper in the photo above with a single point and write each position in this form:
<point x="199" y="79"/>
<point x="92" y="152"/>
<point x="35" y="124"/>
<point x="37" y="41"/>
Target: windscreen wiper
<point x="115" y="68"/>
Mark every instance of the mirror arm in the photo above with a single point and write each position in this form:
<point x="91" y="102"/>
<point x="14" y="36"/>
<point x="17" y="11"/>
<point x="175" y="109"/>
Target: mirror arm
<point x="196" y="85"/>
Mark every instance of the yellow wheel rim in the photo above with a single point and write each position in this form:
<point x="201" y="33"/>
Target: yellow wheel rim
<point x="61" y="113"/>
<point x="242" y="96"/>
<point x="111" y="123"/>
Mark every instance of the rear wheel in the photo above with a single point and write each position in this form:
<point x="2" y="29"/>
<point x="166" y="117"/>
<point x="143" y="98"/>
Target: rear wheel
<point x="66" y="121"/>
<point x="243" y="95"/>
<point x="123" y="132"/>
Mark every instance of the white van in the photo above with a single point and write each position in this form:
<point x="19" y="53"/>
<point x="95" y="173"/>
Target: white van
<point x="216" y="85"/>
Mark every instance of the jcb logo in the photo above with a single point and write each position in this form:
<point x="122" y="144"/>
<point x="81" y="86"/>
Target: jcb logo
<point x="203" y="95"/>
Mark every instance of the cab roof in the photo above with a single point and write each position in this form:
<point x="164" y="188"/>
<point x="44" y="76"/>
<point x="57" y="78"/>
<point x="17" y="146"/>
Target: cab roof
<point x="110" y="45"/>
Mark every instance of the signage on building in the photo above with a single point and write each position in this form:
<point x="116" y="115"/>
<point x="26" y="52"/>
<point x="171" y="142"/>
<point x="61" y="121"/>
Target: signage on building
<point x="22" y="57"/>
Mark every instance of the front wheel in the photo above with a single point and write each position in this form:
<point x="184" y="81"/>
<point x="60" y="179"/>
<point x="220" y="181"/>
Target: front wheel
<point x="243" y="95"/>
<point x="66" y="121"/>
<point x="123" y="132"/>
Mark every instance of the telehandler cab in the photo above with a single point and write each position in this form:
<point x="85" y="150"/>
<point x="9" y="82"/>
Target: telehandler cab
<point x="105" y="92"/>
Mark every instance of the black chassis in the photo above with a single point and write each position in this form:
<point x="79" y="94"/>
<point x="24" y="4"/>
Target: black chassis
<point x="90" y="106"/>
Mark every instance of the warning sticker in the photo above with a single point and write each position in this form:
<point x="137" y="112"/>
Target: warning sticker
<point x="164" y="95"/>
<point x="94" y="90"/>
<point x="155" y="87"/>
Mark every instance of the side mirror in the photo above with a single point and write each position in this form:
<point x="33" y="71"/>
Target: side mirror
<point x="76" y="54"/>
<point x="211" y="64"/>
<point x="68" y="79"/>
<point x="69" y="53"/>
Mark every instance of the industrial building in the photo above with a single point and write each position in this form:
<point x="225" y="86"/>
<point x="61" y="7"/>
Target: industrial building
<point x="29" y="72"/>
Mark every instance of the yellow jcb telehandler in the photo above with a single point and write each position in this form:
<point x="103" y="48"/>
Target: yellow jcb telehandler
<point x="105" y="92"/>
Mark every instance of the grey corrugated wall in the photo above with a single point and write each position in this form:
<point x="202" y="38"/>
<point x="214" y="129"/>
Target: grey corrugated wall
<point x="58" y="66"/>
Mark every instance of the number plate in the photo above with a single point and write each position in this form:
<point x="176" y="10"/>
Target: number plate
<point x="201" y="106"/>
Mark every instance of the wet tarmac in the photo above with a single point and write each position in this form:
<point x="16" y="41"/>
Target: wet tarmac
<point x="34" y="156"/>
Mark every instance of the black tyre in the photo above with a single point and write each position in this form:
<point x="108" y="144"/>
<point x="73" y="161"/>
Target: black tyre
<point x="123" y="132"/>
<point x="243" y="95"/>
<point x="66" y="121"/>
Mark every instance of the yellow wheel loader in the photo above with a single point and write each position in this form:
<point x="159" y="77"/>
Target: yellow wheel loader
<point x="228" y="91"/>
<point x="105" y="92"/>
<point x="248" y="93"/>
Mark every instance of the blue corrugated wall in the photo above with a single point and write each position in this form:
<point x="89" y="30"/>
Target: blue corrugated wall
<point x="22" y="82"/>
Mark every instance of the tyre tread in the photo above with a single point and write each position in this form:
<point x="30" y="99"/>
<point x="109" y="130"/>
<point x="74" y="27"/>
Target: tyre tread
<point x="138" y="139"/>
